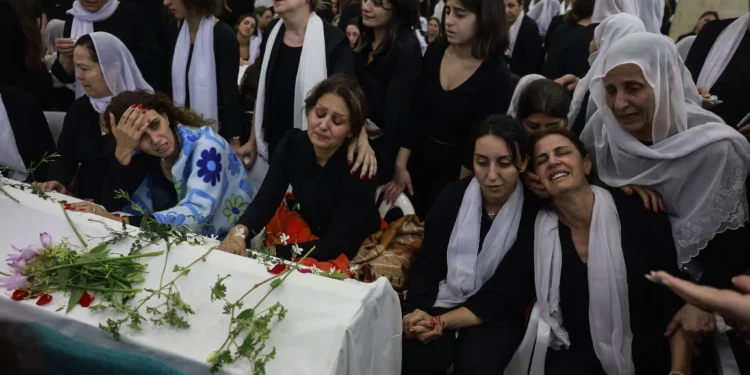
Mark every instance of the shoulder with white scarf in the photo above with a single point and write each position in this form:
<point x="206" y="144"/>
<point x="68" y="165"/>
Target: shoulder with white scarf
<point x="703" y="43"/>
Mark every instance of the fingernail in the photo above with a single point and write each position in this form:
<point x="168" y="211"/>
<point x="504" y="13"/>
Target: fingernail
<point x="67" y="205"/>
<point x="117" y="215"/>
<point x="144" y="112"/>
<point x="140" y="106"/>
<point x="148" y="121"/>
<point x="656" y="210"/>
<point x="432" y="323"/>
<point x="352" y="172"/>
<point x="83" y="209"/>
<point x="411" y="329"/>
<point x="361" y="177"/>
<point x="132" y="106"/>
<point x="629" y="192"/>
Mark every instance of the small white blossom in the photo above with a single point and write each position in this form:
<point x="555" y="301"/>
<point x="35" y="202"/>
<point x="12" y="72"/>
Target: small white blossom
<point x="314" y="269"/>
<point x="333" y="270"/>
<point x="354" y="268"/>
<point x="283" y="238"/>
<point x="297" y="249"/>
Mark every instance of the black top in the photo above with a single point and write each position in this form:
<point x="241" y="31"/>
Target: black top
<point x="281" y="92"/>
<point x="339" y="59"/>
<point x="55" y="9"/>
<point x="390" y="82"/>
<point x="452" y="117"/>
<point x="528" y="49"/>
<point x="227" y="60"/>
<point x="338" y="207"/>
<point x="497" y="298"/>
<point x="30" y="130"/>
<point x="724" y="257"/>
<point x="732" y="85"/>
<point x="556" y="22"/>
<point x="129" y="25"/>
<point x="569" y="51"/>
<point x="81" y="141"/>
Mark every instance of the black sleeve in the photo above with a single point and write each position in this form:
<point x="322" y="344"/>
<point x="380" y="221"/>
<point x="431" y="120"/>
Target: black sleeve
<point x="66" y="164"/>
<point x="532" y="49"/>
<point x="662" y="244"/>
<point x="124" y="177"/>
<point x="413" y="128"/>
<point x="349" y="225"/>
<point x="43" y="143"/>
<point x="341" y="59"/>
<point x="57" y="69"/>
<point x="227" y="52"/>
<point x="148" y="55"/>
<point x="554" y="66"/>
<point x="701" y="47"/>
<point x="271" y="192"/>
<point x="725" y="257"/>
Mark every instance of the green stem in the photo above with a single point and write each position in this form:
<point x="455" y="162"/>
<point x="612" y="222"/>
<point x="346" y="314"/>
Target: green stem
<point x="164" y="269"/>
<point x="8" y="195"/>
<point x="80" y="238"/>
<point x="5" y="274"/>
<point x="107" y="260"/>
<point x="98" y="289"/>
<point x="296" y="265"/>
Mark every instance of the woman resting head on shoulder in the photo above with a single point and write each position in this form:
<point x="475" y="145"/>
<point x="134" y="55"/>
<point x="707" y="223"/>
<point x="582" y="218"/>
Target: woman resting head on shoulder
<point x="433" y="29"/>
<point x="173" y="166"/>
<point x="337" y="206"/>
<point x="246" y="29"/>
<point x="617" y="242"/>
<point x="453" y="288"/>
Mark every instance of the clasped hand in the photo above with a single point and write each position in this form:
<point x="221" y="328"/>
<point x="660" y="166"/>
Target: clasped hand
<point x="422" y="326"/>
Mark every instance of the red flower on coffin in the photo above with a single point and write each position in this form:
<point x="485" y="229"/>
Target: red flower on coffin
<point x="19" y="294"/>
<point x="44" y="299"/>
<point x="277" y="269"/>
<point x="86" y="299"/>
<point x="304" y="270"/>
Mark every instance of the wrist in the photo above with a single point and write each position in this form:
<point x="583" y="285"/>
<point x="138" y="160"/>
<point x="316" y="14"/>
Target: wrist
<point x="240" y="231"/>
<point x="123" y="155"/>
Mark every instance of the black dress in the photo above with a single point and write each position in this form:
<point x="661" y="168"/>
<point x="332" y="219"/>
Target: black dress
<point x="448" y="121"/>
<point x="81" y="142"/>
<point x="278" y="115"/>
<point x="55" y="9"/>
<point x="499" y="304"/>
<point x="731" y="87"/>
<point x="390" y="82"/>
<point x="338" y="207"/>
<point x="227" y="62"/>
<point x="527" y="51"/>
<point x="30" y="130"/>
<point x="569" y="51"/>
<point x="129" y="25"/>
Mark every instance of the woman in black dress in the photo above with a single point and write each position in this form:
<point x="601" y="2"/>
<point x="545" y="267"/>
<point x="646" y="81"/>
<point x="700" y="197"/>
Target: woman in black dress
<point x="205" y="64"/>
<point x="124" y="20"/>
<point x="105" y="68"/>
<point x="458" y="309"/>
<point x="388" y="62"/>
<point x="338" y="207"/>
<point x="523" y="53"/>
<point x="591" y="252"/>
<point x="465" y="80"/>
<point x="568" y="49"/>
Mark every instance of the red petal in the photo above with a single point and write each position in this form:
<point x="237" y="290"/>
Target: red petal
<point x="86" y="299"/>
<point x="44" y="299"/>
<point x="277" y="269"/>
<point x="19" y="294"/>
<point x="304" y="270"/>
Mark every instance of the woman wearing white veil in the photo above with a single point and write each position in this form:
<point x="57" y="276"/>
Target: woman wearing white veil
<point x="650" y="12"/>
<point x="543" y="12"/>
<point x="650" y="130"/>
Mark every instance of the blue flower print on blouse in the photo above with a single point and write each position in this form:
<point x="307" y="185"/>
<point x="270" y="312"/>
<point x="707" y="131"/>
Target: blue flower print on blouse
<point x="170" y="218"/>
<point x="209" y="166"/>
<point x="234" y="164"/>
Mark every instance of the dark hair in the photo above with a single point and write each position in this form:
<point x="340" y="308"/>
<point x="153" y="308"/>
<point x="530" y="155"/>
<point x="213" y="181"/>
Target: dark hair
<point x="582" y="9"/>
<point x="404" y="15"/>
<point x="492" y="28"/>
<point x="259" y="11"/>
<point x="710" y="13"/>
<point x="434" y="18"/>
<point x="204" y="8"/>
<point x="510" y="130"/>
<point x="349" y="91"/>
<point x="546" y="97"/>
<point x="32" y="43"/>
<point x="559" y="130"/>
<point x="668" y="11"/>
<point x="87" y="42"/>
<point x="242" y="18"/>
<point x="159" y="103"/>
<point x="353" y="21"/>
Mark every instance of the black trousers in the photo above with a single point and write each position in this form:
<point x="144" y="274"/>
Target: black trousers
<point x="484" y="349"/>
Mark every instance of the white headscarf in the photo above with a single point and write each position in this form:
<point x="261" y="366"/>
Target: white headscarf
<point x="609" y="306"/>
<point x="684" y="46"/>
<point x="610" y="30"/>
<point x="83" y="20"/>
<point x="543" y="13"/>
<point x="520" y="88"/>
<point x="467" y="270"/>
<point x="312" y="69"/>
<point x="254" y="48"/>
<point x="118" y="68"/>
<point x="722" y="51"/>
<point x="513" y="34"/>
<point x="565" y="8"/>
<point x="9" y="155"/>
<point x="697" y="163"/>
<point x="54" y="31"/>
<point x="650" y="12"/>
<point x="201" y="73"/>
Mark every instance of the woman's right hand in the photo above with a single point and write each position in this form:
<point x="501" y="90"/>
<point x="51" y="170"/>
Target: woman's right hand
<point x="412" y="320"/>
<point x="535" y="185"/>
<point x="401" y="180"/>
<point x="706" y="101"/>
<point x="128" y="131"/>
<point x="569" y="81"/>
<point x="651" y="199"/>
<point x="51" y="186"/>
<point x="65" y="46"/>
<point x="235" y="243"/>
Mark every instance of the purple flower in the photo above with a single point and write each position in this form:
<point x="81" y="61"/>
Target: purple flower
<point x="25" y="255"/>
<point x="46" y="239"/>
<point x="15" y="281"/>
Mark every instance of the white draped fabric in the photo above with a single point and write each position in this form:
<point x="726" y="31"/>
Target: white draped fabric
<point x="520" y="88"/>
<point x="513" y="34"/>
<point x="83" y="20"/>
<point x="650" y="12"/>
<point x="543" y="13"/>
<point x="722" y="51"/>
<point x="9" y="156"/>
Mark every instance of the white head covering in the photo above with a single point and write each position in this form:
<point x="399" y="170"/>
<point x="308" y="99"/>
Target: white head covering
<point x="54" y="32"/>
<point x="9" y="155"/>
<point x="565" y="8"/>
<point x="467" y="270"/>
<point x="254" y="48"/>
<point x="520" y="88"/>
<point x="722" y="51"/>
<point x="684" y="46"/>
<point x="610" y="30"/>
<point x="513" y="33"/>
<point x="650" y="12"/>
<point x="609" y="306"/>
<point x="543" y="13"/>
<point x="118" y="68"/>
<point x="83" y="20"/>
<point x="697" y="163"/>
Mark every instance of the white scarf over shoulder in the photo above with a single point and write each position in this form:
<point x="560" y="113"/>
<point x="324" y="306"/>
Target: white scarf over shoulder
<point x="524" y="82"/>
<point x="543" y="13"/>
<point x="312" y="69"/>
<point x="650" y="12"/>
<point x="513" y="34"/>
<point x="609" y="307"/>
<point x="9" y="156"/>
<point x="722" y="52"/>
<point x="697" y="163"/>
<point x="467" y="270"/>
<point x="83" y="20"/>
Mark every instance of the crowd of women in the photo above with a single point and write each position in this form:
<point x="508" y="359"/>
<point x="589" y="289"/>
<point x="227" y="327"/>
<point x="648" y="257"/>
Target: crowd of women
<point x="558" y="152"/>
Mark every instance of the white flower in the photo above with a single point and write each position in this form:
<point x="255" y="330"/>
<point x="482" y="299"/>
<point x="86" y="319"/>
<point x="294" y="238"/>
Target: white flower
<point x="213" y="237"/>
<point x="297" y="249"/>
<point x="354" y="268"/>
<point x="333" y="270"/>
<point x="283" y="238"/>
<point x="314" y="269"/>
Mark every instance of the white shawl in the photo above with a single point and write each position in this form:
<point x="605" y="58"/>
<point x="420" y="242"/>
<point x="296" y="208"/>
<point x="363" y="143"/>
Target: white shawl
<point x="513" y="34"/>
<point x="684" y="46"/>
<point x="312" y="69"/>
<point x="9" y="155"/>
<point x="518" y="92"/>
<point x="697" y="163"/>
<point x="83" y="20"/>
<point x="467" y="270"/>
<point x="610" y="30"/>
<point x="201" y="73"/>
<point x="722" y="52"/>
<point x="609" y="307"/>
<point x="254" y="48"/>
<point x="650" y="12"/>
<point x="543" y="13"/>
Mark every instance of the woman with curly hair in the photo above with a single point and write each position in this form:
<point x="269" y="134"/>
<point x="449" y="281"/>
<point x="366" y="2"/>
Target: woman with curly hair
<point x="175" y="168"/>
